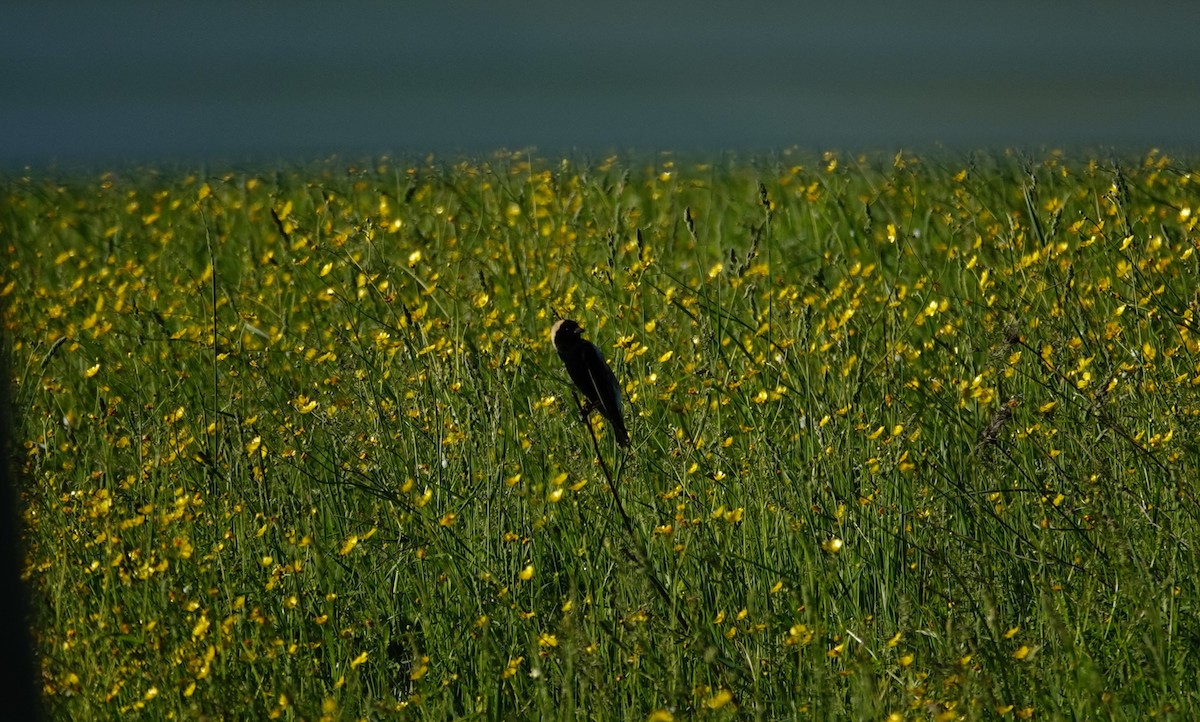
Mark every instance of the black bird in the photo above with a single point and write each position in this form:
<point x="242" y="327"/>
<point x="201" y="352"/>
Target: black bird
<point x="588" y="369"/>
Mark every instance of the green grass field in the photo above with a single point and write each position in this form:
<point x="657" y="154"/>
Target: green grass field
<point x="914" y="438"/>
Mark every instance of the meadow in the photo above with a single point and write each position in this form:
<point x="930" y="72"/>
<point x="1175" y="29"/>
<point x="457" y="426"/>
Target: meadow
<point x="914" y="437"/>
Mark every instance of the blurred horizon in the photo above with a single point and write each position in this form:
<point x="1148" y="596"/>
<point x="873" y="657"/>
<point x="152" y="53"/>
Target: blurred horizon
<point x="223" y="81"/>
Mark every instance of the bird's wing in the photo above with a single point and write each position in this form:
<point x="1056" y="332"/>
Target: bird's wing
<point x="606" y="379"/>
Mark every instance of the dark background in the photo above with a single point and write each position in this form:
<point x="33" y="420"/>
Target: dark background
<point x="146" y="80"/>
<point x="141" y="80"/>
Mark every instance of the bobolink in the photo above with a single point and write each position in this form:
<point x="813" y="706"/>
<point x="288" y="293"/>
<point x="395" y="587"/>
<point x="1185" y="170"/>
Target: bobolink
<point x="587" y="368"/>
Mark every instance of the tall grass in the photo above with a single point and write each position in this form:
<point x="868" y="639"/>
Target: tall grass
<point x="914" y="437"/>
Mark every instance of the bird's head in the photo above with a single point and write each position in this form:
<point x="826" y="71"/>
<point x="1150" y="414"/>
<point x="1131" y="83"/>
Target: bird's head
<point x="565" y="333"/>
